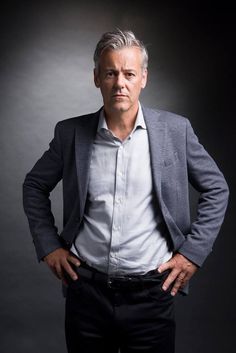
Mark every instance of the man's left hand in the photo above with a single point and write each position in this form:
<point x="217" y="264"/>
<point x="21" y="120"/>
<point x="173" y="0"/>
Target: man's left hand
<point x="181" y="270"/>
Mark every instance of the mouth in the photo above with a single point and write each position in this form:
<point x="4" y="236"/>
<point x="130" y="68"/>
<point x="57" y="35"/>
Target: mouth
<point x="119" y="96"/>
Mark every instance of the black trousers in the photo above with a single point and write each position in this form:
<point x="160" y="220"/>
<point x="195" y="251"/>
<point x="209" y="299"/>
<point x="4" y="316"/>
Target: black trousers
<point x="125" y="319"/>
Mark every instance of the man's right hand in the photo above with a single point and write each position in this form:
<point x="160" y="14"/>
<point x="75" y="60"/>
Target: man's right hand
<point x="59" y="261"/>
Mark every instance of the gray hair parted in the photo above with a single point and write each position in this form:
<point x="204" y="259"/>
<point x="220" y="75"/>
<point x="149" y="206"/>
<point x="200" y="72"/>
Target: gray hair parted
<point x="116" y="40"/>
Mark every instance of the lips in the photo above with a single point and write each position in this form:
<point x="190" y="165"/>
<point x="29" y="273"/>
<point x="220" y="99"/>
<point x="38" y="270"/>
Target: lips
<point x="119" y="95"/>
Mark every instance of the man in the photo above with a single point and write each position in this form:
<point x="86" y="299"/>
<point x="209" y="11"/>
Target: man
<point x="128" y="245"/>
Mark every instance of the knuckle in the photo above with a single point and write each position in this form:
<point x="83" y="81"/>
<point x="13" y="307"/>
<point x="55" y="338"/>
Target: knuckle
<point x="181" y="276"/>
<point x="177" y="283"/>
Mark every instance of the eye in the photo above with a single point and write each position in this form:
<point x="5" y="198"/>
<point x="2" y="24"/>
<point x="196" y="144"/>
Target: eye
<point x="130" y="75"/>
<point x="109" y="74"/>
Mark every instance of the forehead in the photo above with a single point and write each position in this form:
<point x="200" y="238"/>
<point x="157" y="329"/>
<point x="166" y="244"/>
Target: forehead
<point x="127" y="58"/>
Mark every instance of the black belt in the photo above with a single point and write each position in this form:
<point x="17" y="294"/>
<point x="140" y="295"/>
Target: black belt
<point x="127" y="281"/>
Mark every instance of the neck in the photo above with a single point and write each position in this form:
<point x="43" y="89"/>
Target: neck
<point x="121" y="123"/>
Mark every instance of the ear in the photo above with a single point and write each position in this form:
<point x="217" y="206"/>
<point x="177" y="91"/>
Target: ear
<point x="144" y="78"/>
<point x="96" y="78"/>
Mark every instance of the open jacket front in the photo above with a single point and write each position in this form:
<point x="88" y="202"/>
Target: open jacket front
<point x="177" y="158"/>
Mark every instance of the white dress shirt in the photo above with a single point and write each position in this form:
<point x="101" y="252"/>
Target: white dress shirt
<point x="121" y="228"/>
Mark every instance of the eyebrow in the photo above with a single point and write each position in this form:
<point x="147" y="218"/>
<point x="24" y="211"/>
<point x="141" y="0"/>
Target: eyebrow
<point x="115" y="70"/>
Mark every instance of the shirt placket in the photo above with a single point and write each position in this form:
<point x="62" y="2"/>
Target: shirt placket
<point x="117" y="219"/>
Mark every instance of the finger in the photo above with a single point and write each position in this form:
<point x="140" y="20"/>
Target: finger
<point x="166" y="266"/>
<point x="64" y="280"/>
<point x="69" y="270"/>
<point x="170" y="279"/>
<point x="54" y="271"/>
<point x="179" y="283"/>
<point x="57" y="270"/>
<point x="74" y="260"/>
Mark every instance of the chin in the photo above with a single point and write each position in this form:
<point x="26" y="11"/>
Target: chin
<point x="119" y="107"/>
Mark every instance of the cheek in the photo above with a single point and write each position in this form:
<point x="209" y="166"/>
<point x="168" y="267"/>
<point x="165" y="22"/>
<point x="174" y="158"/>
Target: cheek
<point x="135" y="89"/>
<point x="105" y="90"/>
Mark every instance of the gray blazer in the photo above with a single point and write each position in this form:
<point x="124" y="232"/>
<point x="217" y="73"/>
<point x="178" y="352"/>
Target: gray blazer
<point x="177" y="159"/>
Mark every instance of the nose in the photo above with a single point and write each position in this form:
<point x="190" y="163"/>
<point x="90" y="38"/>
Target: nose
<point x="119" y="81"/>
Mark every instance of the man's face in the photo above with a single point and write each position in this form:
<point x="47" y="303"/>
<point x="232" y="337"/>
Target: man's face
<point x="120" y="78"/>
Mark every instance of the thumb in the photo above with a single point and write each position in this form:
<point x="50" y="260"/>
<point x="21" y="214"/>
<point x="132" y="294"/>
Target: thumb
<point x="165" y="266"/>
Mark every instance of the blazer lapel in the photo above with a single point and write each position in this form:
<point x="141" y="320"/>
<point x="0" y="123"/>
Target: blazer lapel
<point x="157" y="137"/>
<point x="85" y="134"/>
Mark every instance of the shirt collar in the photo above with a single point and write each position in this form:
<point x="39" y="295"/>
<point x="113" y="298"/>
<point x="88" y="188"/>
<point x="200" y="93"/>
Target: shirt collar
<point x="139" y="122"/>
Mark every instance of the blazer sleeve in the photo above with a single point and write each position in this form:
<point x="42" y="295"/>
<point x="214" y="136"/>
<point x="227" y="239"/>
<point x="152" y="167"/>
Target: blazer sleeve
<point x="38" y="184"/>
<point x="208" y="180"/>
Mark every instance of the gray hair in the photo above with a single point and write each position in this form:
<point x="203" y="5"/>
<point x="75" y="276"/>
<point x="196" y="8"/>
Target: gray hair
<point x="116" y="40"/>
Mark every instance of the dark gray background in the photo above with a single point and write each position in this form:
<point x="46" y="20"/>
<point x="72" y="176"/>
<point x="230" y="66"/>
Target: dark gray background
<point x="46" y="76"/>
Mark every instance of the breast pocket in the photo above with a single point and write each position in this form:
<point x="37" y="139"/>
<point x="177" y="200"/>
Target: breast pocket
<point x="171" y="159"/>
